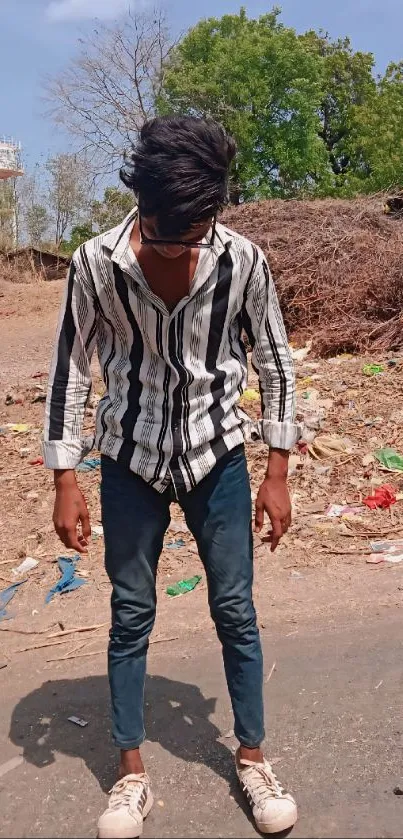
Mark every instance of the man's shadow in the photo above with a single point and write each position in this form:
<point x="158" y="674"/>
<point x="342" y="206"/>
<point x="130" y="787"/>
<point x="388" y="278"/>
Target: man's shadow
<point x="177" y="717"/>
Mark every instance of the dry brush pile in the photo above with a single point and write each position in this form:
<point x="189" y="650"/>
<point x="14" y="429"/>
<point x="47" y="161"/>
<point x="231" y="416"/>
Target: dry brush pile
<point x="338" y="267"/>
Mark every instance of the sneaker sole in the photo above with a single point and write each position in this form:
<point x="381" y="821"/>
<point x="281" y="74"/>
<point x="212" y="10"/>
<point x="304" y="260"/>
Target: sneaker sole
<point x="132" y="833"/>
<point x="279" y="824"/>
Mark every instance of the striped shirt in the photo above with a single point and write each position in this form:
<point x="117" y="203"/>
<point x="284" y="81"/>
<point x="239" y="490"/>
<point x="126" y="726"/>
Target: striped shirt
<point x="173" y="379"/>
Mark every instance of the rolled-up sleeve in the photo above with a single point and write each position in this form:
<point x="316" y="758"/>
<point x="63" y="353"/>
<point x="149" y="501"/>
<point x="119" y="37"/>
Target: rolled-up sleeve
<point x="70" y="375"/>
<point x="271" y="357"/>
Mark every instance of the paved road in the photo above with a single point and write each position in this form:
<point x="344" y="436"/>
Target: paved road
<point x="336" y="738"/>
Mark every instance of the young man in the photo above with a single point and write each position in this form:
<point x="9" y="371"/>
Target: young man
<point x="164" y="298"/>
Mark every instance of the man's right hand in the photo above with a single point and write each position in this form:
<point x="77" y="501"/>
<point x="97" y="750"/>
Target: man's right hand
<point x="70" y="515"/>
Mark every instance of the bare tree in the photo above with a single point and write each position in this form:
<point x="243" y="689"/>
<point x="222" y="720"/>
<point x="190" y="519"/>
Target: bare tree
<point x="109" y="89"/>
<point x="69" y="191"/>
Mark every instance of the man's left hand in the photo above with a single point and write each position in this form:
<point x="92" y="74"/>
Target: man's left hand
<point x="274" y="499"/>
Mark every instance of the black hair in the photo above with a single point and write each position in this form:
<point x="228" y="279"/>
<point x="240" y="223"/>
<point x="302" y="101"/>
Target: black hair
<point x="179" y="171"/>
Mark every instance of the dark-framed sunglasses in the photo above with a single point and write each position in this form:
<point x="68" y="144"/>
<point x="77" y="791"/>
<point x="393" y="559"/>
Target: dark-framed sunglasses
<point x="145" y="240"/>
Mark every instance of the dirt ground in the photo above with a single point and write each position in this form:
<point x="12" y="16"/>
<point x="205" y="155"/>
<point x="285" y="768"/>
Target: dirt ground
<point x="319" y="583"/>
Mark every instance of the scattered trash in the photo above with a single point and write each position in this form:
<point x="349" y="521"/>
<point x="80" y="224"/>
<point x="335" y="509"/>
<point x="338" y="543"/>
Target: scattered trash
<point x="68" y="581"/>
<point x="373" y="369"/>
<point x="97" y="530"/>
<point x="301" y="354"/>
<point x="398" y="791"/>
<point x="383" y="497"/>
<point x="25" y="451"/>
<point x="27" y="565"/>
<point x="77" y="721"/>
<point x="183" y="586"/>
<point x="387" y="551"/>
<point x="38" y="375"/>
<point x="18" y="427"/>
<point x="40" y="397"/>
<point x="251" y="395"/>
<point x="328" y="445"/>
<point x="390" y="459"/>
<point x="3" y="664"/>
<point x="5" y="596"/>
<point x="338" y="510"/>
<point x="272" y="669"/>
<point x="379" y="685"/>
<point x="392" y="546"/>
<point x="89" y="464"/>
<point x="177" y="543"/>
<point x="37" y="462"/>
<point x="160" y="803"/>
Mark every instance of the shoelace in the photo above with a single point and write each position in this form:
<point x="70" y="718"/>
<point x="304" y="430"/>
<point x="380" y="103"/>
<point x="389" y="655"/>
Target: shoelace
<point x="269" y="786"/>
<point x="122" y="792"/>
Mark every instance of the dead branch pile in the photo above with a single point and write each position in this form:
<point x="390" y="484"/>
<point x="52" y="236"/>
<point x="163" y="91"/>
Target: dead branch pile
<point x="338" y="267"/>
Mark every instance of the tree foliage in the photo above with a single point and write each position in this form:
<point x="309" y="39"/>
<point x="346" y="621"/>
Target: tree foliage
<point x="37" y="221"/>
<point x="68" y="191"/>
<point x="112" y="209"/>
<point x="309" y="116"/>
<point x="262" y="82"/>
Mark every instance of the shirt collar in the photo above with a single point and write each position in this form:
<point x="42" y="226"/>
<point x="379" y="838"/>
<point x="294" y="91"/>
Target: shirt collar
<point x="117" y="240"/>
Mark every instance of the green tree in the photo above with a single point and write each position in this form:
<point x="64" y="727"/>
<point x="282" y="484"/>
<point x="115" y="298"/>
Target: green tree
<point x="265" y="84"/>
<point x="376" y="140"/>
<point x="348" y="87"/>
<point x="112" y="209"/>
<point x="79" y="234"/>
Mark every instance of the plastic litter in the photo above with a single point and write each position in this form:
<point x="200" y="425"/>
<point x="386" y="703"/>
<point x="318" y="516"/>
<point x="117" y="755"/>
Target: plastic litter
<point x="89" y="464"/>
<point x="183" y="586"/>
<point x="328" y="445"/>
<point x="251" y="395"/>
<point x="68" y="580"/>
<point x="177" y="543"/>
<point x="301" y="354"/>
<point x="37" y="462"/>
<point x="335" y="511"/>
<point x="387" y="551"/>
<point x="390" y="459"/>
<point x="383" y="497"/>
<point x="5" y="596"/>
<point x="78" y="721"/>
<point x="28" y="564"/>
<point x="373" y="369"/>
<point x="97" y="530"/>
<point x="18" y="427"/>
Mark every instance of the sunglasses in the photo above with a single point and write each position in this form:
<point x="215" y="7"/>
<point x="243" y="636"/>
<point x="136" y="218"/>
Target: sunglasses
<point x="145" y="240"/>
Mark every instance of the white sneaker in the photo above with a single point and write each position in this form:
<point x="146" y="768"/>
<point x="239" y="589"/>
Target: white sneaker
<point x="130" y="802"/>
<point x="273" y="809"/>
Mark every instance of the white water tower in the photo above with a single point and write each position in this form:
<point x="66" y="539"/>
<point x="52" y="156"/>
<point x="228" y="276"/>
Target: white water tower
<point x="10" y="159"/>
<point x="10" y="169"/>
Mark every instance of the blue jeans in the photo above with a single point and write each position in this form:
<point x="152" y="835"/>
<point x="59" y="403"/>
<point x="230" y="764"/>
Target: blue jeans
<point x="218" y="514"/>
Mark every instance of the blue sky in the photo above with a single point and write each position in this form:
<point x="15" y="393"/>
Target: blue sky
<point x="38" y="37"/>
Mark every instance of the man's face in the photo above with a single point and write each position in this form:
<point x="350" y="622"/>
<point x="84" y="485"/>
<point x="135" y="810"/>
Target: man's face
<point x="170" y="250"/>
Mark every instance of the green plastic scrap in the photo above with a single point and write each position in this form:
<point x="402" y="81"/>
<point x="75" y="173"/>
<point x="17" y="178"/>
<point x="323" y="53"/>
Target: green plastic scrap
<point x="183" y="586"/>
<point x="390" y="459"/>
<point x="372" y="369"/>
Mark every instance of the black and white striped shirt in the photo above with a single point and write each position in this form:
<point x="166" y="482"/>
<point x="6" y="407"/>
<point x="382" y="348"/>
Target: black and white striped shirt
<point x="173" y="380"/>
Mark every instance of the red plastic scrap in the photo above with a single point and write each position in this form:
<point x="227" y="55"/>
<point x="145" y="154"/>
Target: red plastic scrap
<point x="383" y="497"/>
<point x="37" y="462"/>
